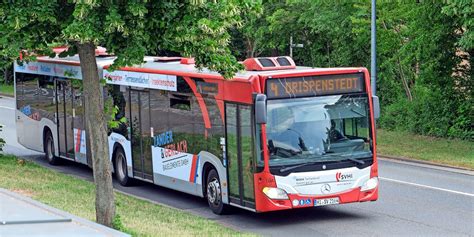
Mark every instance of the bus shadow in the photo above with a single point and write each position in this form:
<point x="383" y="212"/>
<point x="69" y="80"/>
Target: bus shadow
<point x="197" y="205"/>
<point x="299" y="216"/>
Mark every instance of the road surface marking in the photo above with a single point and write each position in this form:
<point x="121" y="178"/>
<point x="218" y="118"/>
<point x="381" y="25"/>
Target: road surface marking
<point x="5" y="107"/>
<point x="426" y="186"/>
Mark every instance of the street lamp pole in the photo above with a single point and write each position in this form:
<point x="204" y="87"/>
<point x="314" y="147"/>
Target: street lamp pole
<point x="373" y="51"/>
<point x="294" y="46"/>
<point x="291" y="46"/>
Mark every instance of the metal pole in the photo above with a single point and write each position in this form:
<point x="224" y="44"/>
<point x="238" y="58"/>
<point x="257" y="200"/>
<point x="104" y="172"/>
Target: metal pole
<point x="291" y="46"/>
<point x="373" y="51"/>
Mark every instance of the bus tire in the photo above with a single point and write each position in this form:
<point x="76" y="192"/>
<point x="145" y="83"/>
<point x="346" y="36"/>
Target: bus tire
<point x="49" y="149"/>
<point x="214" y="193"/>
<point x="121" y="171"/>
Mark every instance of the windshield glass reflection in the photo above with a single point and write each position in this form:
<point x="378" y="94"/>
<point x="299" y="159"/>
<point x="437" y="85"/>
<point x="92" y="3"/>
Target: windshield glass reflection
<point x="312" y="129"/>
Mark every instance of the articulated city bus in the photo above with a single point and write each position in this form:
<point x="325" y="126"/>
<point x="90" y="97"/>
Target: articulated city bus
<point x="277" y="136"/>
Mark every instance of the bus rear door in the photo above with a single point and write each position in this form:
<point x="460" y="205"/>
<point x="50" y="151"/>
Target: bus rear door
<point x="64" y="110"/>
<point x="141" y="134"/>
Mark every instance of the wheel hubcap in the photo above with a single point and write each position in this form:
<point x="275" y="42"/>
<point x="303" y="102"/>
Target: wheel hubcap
<point x="121" y="166"/>
<point x="214" y="192"/>
<point x="50" y="149"/>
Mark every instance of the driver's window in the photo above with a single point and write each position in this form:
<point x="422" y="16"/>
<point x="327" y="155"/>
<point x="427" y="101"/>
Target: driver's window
<point x="279" y="119"/>
<point x="355" y="127"/>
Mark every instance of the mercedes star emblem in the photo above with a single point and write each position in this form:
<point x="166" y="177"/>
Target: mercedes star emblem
<point x="326" y="188"/>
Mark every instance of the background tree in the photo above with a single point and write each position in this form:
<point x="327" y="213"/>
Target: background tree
<point x="128" y="29"/>
<point x="424" y="54"/>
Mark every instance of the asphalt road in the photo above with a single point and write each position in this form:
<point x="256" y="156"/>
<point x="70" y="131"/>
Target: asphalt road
<point x="414" y="200"/>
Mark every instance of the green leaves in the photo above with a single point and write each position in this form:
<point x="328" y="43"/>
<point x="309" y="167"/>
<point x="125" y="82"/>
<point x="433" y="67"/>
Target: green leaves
<point x="27" y="26"/>
<point x="202" y="31"/>
<point x="423" y="50"/>
<point x="463" y="11"/>
<point x="128" y="29"/>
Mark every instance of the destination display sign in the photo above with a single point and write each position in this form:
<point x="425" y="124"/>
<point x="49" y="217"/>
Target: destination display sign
<point x="292" y="87"/>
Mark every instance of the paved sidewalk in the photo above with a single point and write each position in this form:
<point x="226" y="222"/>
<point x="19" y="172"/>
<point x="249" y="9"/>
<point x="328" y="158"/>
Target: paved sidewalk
<point x="22" y="216"/>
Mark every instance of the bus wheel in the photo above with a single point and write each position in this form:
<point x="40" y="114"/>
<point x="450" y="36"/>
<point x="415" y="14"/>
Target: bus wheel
<point x="49" y="149"/>
<point x="121" y="171"/>
<point x="214" y="193"/>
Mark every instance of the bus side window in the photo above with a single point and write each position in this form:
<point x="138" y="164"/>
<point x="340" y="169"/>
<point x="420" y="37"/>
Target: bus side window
<point x="180" y="102"/>
<point x="117" y="97"/>
<point x="47" y="98"/>
<point x="181" y="98"/>
<point x="30" y="94"/>
<point x="19" y="90"/>
<point x="216" y="131"/>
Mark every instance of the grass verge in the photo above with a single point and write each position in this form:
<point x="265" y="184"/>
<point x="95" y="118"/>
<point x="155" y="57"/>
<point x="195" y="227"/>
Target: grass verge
<point x="452" y="152"/>
<point x="76" y="196"/>
<point x="6" y="89"/>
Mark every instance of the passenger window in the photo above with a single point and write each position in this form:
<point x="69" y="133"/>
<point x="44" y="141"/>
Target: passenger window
<point x="183" y="86"/>
<point x="356" y="127"/>
<point x="180" y="102"/>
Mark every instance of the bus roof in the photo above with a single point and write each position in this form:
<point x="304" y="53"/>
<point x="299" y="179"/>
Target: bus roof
<point x="151" y="65"/>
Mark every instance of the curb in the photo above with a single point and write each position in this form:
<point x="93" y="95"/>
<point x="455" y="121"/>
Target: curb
<point x="66" y="216"/>
<point x="453" y="168"/>
<point x="7" y="95"/>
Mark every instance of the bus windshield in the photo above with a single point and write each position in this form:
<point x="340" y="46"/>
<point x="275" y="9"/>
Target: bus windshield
<point x="318" y="129"/>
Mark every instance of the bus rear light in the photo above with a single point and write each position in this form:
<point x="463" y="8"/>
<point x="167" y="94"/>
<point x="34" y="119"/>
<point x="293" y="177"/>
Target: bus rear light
<point x="370" y="184"/>
<point x="275" y="193"/>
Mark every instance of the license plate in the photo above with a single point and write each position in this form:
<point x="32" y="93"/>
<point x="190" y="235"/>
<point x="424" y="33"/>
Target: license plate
<point x="326" y="201"/>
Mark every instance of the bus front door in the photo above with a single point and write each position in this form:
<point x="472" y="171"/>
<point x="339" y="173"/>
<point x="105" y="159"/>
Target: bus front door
<point x="240" y="155"/>
<point x="141" y="134"/>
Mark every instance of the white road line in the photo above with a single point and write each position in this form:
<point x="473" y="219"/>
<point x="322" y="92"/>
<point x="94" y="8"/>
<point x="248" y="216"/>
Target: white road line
<point x="5" y="107"/>
<point x="426" y="186"/>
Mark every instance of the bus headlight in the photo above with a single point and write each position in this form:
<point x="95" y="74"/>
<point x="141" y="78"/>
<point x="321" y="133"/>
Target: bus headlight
<point x="275" y="193"/>
<point x="370" y="184"/>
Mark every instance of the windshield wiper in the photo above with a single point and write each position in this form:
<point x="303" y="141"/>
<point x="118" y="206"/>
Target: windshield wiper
<point x="360" y="162"/>
<point x="297" y="166"/>
<point x="357" y="161"/>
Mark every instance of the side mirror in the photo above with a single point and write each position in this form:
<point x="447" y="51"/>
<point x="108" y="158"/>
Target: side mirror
<point x="261" y="109"/>
<point x="376" y="104"/>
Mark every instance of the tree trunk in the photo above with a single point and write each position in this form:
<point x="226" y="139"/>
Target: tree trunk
<point x="96" y="130"/>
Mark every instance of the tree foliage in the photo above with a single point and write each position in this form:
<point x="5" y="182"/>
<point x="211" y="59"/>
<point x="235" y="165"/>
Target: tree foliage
<point x="424" y="54"/>
<point x="128" y="29"/>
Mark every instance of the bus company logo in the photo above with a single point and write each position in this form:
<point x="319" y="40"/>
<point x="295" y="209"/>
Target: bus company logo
<point x="58" y="70"/>
<point x="342" y="177"/>
<point x="33" y="68"/>
<point x="46" y="69"/>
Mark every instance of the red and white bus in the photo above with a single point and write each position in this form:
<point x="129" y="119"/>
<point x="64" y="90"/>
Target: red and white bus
<point x="277" y="136"/>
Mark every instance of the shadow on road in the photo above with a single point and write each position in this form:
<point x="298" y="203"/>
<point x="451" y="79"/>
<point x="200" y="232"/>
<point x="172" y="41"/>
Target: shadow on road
<point x="238" y="218"/>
